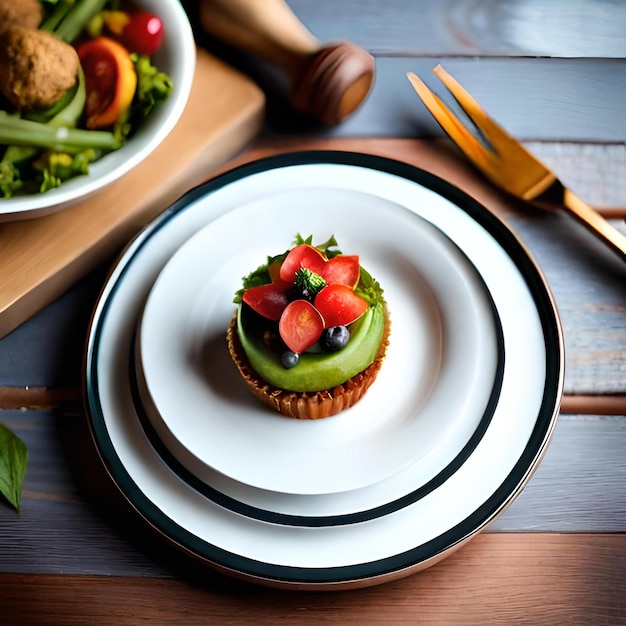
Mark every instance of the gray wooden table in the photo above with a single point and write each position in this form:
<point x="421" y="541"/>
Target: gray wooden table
<point x="554" y="74"/>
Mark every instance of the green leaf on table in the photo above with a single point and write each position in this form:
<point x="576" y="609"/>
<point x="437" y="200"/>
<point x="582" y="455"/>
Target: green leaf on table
<point x="13" y="460"/>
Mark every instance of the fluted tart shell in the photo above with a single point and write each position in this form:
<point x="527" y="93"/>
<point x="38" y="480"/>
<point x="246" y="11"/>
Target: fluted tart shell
<point x="311" y="404"/>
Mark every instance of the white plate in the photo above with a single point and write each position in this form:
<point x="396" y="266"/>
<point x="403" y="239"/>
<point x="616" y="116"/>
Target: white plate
<point x="423" y="408"/>
<point x="409" y="537"/>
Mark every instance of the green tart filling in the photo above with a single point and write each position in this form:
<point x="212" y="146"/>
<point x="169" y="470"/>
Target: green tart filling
<point x="317" y="370"/>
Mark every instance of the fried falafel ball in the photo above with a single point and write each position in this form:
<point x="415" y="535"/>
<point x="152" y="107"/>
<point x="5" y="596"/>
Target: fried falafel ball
<point x="36" y="68"/>
<point x="27" y="13"/>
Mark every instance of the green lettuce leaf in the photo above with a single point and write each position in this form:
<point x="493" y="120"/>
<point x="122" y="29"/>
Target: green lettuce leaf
<point x="13" y="461"/>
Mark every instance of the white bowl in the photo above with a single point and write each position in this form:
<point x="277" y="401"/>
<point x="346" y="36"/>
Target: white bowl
<point x="176" y="57"/>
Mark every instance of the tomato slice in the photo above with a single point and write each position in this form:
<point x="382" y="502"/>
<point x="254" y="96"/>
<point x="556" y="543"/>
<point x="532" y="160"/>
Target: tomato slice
<point x="110" y="80"/>
<point x="339" y="305"/>
<point x="302" y="256"/>
<point x="267" y="300"/>
<point x="343" y="269"/>
<point x="300" y="326"/>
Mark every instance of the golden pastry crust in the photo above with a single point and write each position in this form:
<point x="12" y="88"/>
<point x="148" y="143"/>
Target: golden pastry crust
<point x="306" y="405"/>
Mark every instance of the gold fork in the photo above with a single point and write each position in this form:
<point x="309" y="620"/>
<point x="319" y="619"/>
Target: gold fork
<point x="508" y="164"/>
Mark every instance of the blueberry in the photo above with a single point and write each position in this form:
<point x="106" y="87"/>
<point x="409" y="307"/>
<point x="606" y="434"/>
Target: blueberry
<point x="334" y="338"/>
<point x="289" y="359"/>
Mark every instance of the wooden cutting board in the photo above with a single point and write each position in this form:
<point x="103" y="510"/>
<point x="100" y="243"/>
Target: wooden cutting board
<point x="41" y="258"/>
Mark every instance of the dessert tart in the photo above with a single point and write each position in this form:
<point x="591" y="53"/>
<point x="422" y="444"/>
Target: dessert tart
<point x="310" y="331"/>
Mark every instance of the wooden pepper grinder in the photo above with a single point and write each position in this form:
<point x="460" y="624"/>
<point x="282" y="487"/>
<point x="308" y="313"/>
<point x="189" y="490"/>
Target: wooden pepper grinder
<point x="327" y="82"/>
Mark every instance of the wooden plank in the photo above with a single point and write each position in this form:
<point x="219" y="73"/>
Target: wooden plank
<point x="495" y="579"/>
<point x="42" y="257"/>
<point x="588" y="28"/>
<point x="593" y="171"/>
<point x="601" y="404"/>
<point x="534" y="99"/>
<point x="580" y="485"/>
<point x="583" y="103"/>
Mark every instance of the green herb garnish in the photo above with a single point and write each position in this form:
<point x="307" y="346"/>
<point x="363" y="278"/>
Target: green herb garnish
<point x="369" y="288"/>
<point x="309" y="282"/>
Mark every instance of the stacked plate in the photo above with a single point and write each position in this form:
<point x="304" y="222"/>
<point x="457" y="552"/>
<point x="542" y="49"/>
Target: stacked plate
<point x="442" y="443"/>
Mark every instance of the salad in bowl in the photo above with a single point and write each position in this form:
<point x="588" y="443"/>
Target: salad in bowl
<point x="88" y="89"/>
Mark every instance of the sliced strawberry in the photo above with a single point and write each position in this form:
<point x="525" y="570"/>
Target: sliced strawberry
<point x="300" y="326"/>
<point x="343" y="269"/>
<point x="301" y="256"/>
<point x="339" y="305"/>
<point x="267" y="300"/>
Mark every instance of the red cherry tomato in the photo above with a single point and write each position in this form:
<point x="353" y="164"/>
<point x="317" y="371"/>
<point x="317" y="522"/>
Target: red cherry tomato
<point x="143" y="33"/>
